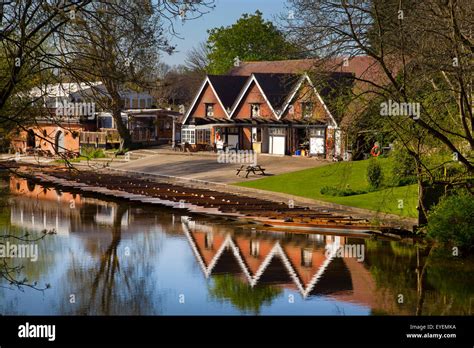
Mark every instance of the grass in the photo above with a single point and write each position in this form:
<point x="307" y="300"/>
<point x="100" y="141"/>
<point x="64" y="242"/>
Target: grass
<point x="350" y="175"/>
<point x="72" y="160"/>
<point x="87" y="153"/>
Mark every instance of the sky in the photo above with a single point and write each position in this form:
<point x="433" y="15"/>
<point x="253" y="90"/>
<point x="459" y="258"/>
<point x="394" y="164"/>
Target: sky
<point x="226" y="13"/>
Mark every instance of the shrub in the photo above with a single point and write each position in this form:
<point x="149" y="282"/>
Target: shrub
<point x="452" y="220"/>
<point x="91" y="152"/>
<point x="403" y="170"/>
<point x="122" y="152"/>
<point x="374" y="174"/>
<point x="339" y="192"/>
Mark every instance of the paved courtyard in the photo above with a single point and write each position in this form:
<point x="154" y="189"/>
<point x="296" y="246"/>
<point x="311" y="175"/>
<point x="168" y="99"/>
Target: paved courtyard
<point x="207" y="167"/>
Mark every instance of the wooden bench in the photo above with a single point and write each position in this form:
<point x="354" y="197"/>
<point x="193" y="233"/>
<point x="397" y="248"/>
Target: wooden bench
<point x="249" y="169"/>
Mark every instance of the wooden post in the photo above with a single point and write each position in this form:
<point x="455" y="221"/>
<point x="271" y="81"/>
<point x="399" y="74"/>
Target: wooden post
<point x="173" y="136"/>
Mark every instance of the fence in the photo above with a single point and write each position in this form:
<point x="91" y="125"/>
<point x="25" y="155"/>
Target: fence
<point x="111" y="136"/>
<point x="93" y="138"/>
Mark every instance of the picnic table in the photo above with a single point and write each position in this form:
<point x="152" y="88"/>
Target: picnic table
<point x="250" y="169"/>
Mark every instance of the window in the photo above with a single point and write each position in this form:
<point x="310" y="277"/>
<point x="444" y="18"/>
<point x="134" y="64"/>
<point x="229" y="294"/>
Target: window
<point x="255" y="110"/>
<point x="134" y="103"/>
<point x="203" y="136"/>
<point x="188" y="136"/>
<point x="276" y="131"/>
<point x="306" y="257"/>
<point x="232" y="130"/>
<point x="317" y="132"/>
<point x="209" y="110"/>
<point x="148" y="102"/>
<point x="142" y="103"/>
<point x="254" y="248"/>
<point x="307" y="109"/>
<point x="209" y="240"/>
<point x="106" y="122"/>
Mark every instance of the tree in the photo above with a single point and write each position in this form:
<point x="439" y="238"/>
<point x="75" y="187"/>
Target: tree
<point x="423" y="52"/>
<point x="27" y="57"/>
<point x="250" y="38"/>
<point x="25" y="29"/>
<point x="115" y="46"/>
<point x="119" y="47"/>
<point x="179" y="86"/>
<point x="113" y="42"/>
<point x="197" y="58"/>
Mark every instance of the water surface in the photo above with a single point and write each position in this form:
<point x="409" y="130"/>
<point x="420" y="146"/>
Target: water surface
<point x="118" y="258"/>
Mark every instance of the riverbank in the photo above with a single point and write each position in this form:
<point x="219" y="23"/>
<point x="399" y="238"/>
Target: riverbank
<point x="289" y="178"/>
<point x="269" y="209"/>
<point x="297" y="179"/>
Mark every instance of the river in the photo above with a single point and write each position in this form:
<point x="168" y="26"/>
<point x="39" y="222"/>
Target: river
<point x="119" y="258"/>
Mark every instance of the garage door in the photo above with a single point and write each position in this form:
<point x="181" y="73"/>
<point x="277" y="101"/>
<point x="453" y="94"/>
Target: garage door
<point x="277" y="144"/>
<point x="316" y="146"/>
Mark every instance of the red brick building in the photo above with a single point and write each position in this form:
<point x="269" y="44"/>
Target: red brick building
<point x="275" y="113"/>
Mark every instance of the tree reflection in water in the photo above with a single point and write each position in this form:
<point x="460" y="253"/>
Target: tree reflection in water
<point x="88" y="259"/>
<point x="430" y="279"/>
<point x="228" y="287"/>
<point x="115" y="282"/>
<point x="109" y="265"/>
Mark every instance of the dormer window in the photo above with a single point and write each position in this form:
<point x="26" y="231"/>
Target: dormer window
<point x="255" y="110"/>
<point x="209" y="110"/>
<point x="307" y="109"/>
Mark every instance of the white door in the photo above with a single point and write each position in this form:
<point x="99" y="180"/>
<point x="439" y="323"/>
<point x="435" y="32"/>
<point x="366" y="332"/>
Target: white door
<point x="60" y="147"/>
<point x="316" y="146"/>
<point x="233" y="140"/>
<point x="277" y="144"/>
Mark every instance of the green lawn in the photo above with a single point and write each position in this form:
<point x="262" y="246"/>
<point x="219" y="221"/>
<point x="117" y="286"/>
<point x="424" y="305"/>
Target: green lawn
<point x="308" y="183"/>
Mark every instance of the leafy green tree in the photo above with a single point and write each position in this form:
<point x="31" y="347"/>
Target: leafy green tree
<point x="404" y="167"/>
<point x="250" y="38"/>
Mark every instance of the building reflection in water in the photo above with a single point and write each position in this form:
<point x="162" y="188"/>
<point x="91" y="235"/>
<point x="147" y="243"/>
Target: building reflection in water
<point x="300" y="264"/>
<point x="295" y="262"/>
<point x="39" y="208"/>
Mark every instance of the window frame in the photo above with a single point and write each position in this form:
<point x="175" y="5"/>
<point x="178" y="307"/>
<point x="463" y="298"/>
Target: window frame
<point x="203" y="136"/>
<point x="258" y="105"/>
<point x="206" y="109"/>
<point x="188" y="135"/>
<point x="304" y="109"/>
